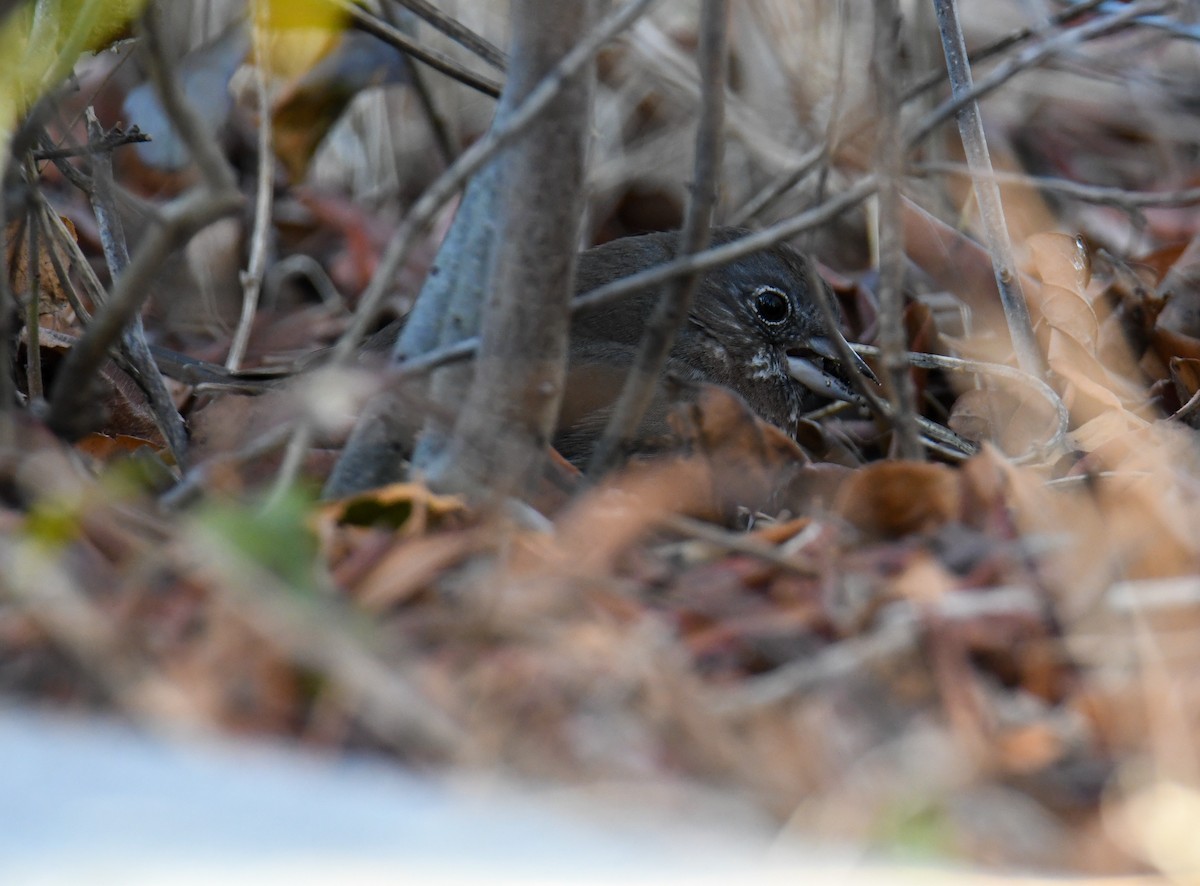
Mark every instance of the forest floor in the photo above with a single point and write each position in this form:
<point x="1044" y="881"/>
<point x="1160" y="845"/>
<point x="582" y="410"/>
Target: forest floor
<point x="985" y="657"/>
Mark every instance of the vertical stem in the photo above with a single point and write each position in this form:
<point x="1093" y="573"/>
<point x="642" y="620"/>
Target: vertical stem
<point x="33" y="348"/>
<point x="897" y="377"/>
<point x="252" y="277"/>
<point x="7" y="382"/>
<point x="987" y="192"/>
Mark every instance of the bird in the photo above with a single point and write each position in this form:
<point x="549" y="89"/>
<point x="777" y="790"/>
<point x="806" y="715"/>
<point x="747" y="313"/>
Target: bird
<point x="753" y="327"/>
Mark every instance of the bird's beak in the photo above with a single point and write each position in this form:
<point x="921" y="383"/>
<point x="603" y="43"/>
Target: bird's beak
<point x="810" y="371"/>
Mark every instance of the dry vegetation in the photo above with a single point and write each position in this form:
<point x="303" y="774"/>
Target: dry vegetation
<point x="989" y="655"/>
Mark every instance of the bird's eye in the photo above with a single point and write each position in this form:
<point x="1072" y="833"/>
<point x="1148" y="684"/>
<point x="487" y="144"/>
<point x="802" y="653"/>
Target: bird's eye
<point x="771" y="305"/>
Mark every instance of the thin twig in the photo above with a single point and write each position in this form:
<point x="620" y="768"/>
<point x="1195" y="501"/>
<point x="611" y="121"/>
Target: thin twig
<point x="302" y="265"/>
<point x="79" y="179"/>
<point x="8" y="383"/>
<point x="442" y="139"/>
<point x="721" y="255"/>
<point x="110" y="141"/>
<point x="739" y="542"/>
<point x="178" y="222"/>
<point x="376" y="27"/>
<point x="893" y="338"/>
<point x="900" y="626"/>
<point x="835" y="108"/>
<point x="1121" y="198"/>
<point x="676" y="299"/>
<point x="970" y="124"/>
<point x="61" y="277"/>
<point x="62" y="239"/>
<point x="456" y="31"/>
<point x="818" y="156"/>
<point x="896" y="637"/>
<point x="252" y="277"/>
<point x="33" y="347"/>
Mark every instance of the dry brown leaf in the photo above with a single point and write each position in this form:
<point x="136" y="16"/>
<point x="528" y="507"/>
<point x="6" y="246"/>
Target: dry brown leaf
<point x="1094" y="434"/>
<point x="1013" y="418"/>
<point x="412" y="565"/>
<point x="893" y="499"/>
<point x="54" y="308"/>
<point x="1185" y="375"/>
<point x="1069" y="312"/>
<point x="105" y="447"/>
<point x="409" y="508"/>
<point x="1060" y="260"/>
<point x="1091" y="388"/>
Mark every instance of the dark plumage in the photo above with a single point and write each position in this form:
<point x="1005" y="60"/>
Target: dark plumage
<point x="753" y="327"/>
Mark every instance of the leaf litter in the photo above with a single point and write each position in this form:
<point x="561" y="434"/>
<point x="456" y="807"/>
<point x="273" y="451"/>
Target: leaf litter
<point x="988" y="659"/>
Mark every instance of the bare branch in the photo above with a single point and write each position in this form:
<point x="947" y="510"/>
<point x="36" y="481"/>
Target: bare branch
<point x="456" y="31"/>
<point x="1010" y="41"/>
<point x="133" y="282"/>
<point x="1119" y="198"/>
<point x="970" y="124"/>
<point x="786" y="182"/>
<point x="375" y="26"/>
<point x="33" y="349"/>
<point x="897" y="379"/>
<point x="252" y="277"/>
<point x="720" y="255"/>
<point x="109" y="141"/>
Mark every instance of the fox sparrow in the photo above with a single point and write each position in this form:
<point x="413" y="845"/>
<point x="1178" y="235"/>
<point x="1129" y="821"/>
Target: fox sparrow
<point x="753" y="327"/>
